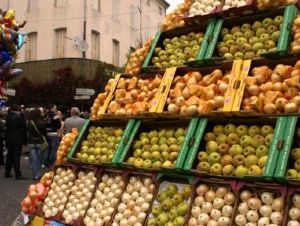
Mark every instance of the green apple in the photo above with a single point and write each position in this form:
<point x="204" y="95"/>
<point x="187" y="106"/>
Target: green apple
<point x="227" y="37"/>
<point x="203" y="167"/>
<point x="173" y="156"/>
<point x="91" y="159"/>
<point x="241" y="171"/>
<point x="173" y="214"/>
<point x="249" y="151"/>
<point x="295" y="152"/>
<point x="249" y="55"/>
<point x="156" y="164"/>
<point x="235" y="149"/>
<point x="278" y="20"/>
<point x="245" y="141"/>
<point x="292" y="174"/>
<point x="179" y="221"/>
<point x="138" y="162"/>
<point x="233" y="49"/>
<point x="235" y="29"/>
<point x="228" y="56"/>
<point x="297" y="165"/>
<point x="147" y="163"/>
<point x="155" y="156"/>
<point x="272" y="28"/>
<point x="256" y="25"/>
<point x="267" y="22"/>
<point x="260" y="31"/>
<point x="171" y="190"/>
<point x="237" y="35"/>
<point x="245" y="27"/>
<point x="262" y="161"/>
<point x="232" y="139"/>
<point x="154" y="140"/>
<point x="165" y="155"/>
<point x="257" y="140"/>
<point x="229" y="128"/>
<point x="261" y="151"/>
<point x="187" y="191"/>
<point x="211" y="146"/>
<point x="224" y="31"/>
<point x="167" y="204"/>
<point x="268" y="140"/>
<point x="226" y="160"/>
<point x="241" y="130"/>
<point x="246" y="47"/>
<point x="202" y="156"/>
<point x="275" y="36"/>
<point x="241" y="40"/>
<point x="266" y="129"/>
<point x="167" y="164"/>
<point x="254" y="170"/>
<point x="253" y="130"/>
<point x="131" y="160"/>
<point x="221" y="138"/>
<point x="248" y="34"/>
<point x="209" y="136"/>
<point x="162" y="219"/>
<point x="270" y="44"/>
<point x="238" y="160"/>
<point x="137" y="153"/>
<point x="239" y="55"/>
<point x="219" y="129"/>
<point x="214" y="158"/>
<point x="223" y="50"/>
<point x="152" y="222"/>
<point x="253" y="40"/>
<point x="156" y="210"/>
<point x="228" y="170"/>
<point x="164" y="147"/>
<point x="257" y="46"/>
<point x="264" y="37"/>
<point x="166" y="41"/>
<point x="183" y="208"/>
<point x="216" y="169"/>
<point x="251" y="160"/>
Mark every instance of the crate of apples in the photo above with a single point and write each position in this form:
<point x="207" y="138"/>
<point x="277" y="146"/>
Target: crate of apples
<point x="293" y="164"/>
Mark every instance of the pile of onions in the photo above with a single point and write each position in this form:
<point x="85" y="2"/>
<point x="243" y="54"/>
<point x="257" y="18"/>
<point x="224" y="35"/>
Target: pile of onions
<point x="47" y="178"/>
<point x="81" y="194"/>
<point x="99" y="101"/>
<point x="105" y="201"/>
<point x="260" y="209"/>
<point x="274" y="91"/>
<point x="65" y="146"/>
<point x="193" y="93"/>
<point x="175" y="18"/>
<point x="212" y="206"/>
<point x="135" y="202"/>
<point x="36" y="193"/>
<point x="296" y="36"/>
<point x="134" y="95"/>
<point x="294" y="211"/>
<point x="59" y="191"/>
<point x="266" y="4"/>
<point x="136" y="59"/>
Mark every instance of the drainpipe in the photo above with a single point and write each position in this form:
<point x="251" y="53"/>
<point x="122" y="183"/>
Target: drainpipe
<point x="84" y="25"/>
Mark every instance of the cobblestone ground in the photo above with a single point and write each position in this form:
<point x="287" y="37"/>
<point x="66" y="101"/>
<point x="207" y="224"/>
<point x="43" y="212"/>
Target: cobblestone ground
<point x="12" y="192"/>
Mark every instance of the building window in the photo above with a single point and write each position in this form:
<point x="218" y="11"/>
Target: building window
<point x="116" y="52"/>
<point x="60" y="3"/>
<point x="31" y="46"/>
<point x="96" y="5"/>
<point x="60" y="35"/>
<point x="133" y="17"/>
<point x="148" y="24"/>
<point x="32" y="4"/>
<point x="115" y="9"/>
<point x="95" y="51"/>
<point x="160" y="10"/>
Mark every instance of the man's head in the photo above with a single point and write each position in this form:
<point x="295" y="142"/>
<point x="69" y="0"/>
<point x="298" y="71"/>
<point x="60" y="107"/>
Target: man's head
<point x="53" y="108"/>
<point x="15" y="107"/>
<point x="75" y="111"/>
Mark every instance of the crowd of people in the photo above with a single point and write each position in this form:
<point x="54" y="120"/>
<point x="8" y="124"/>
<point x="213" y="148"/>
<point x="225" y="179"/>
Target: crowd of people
<point x="39" y="131"/>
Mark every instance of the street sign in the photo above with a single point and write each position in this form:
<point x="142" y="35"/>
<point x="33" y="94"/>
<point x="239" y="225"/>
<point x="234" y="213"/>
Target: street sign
<point x="81" y="97"/>
<point x="9" y="92"/>
<point x="86" y="92"/>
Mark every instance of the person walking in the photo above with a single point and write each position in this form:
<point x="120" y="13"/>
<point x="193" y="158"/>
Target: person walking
<point x="53" y="126"/>
<point x="2" y="136"/>
<point x="74" y="121"/>
<point x="15" y="137"/>
<point x="36" y="130"/>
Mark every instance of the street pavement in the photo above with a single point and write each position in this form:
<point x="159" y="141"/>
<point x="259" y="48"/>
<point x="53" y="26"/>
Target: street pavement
<point x="12" y="192"/>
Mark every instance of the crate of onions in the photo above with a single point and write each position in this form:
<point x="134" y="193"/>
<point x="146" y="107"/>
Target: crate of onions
<point x="293" y="203"/>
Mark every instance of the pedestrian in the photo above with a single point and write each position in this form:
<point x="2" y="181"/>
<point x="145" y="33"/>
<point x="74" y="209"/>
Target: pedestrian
<point x="61" y="131"/>
<point x="15" y="136"/>
<point x="53" y="126"/>
<point x="74" y="121"/>
<point x="2" y="136"/>
<point x="36" y="130"/>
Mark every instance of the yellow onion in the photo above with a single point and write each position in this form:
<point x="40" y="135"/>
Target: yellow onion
<point x="290" y="108"/>
<point x="222" y="88"/>
<point x="296" y="100"/>
<point x="191" y="81"/>
<point x="219" y="101"/>
<point x="253" y="90"/>
<point x="179" y="101"/>
<point x="183" y="110"/>
<point x="275" y="78"/>
<point x="270" y="108"/>
<point x="277" y="86"/>
<point x="173" y="108"/>
<point x="292" y="92"/>
<point x="186" y="93"/>
<point x="280" y="103"/>
<point x="191" y="110"/>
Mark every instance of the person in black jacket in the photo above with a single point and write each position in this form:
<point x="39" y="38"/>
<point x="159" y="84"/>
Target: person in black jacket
<point x="53" y="126"/>
<point x="15" y="136"/>
<point x="36" y="131"/>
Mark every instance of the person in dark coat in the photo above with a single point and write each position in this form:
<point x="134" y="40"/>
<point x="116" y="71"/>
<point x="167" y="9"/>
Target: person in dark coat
<point x="36" y="130"/>
<point x="2" y="135"/>
<point x="15" y="137"/>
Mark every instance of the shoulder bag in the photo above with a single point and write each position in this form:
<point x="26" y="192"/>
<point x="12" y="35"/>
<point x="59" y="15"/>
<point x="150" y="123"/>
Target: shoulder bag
<point x="45" y="143"/>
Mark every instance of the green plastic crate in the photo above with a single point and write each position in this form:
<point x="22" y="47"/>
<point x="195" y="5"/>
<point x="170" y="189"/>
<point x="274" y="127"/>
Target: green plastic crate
<point x="282" y="47"/>
<point x="206" y="28"/>
<point x="125" y="124"/>
<point x="284" y="155"/>
<point x="147" y="125"/>
<point x="206" y="124"/>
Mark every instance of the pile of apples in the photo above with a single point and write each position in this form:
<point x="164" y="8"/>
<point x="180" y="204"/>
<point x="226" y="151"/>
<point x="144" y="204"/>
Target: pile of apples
<point x="100" y="99"/>
<point x="196" y="94"/>
<point x="175" y="18"/>
<point x="295" y="45"/>
<point x="100" y="144"/>
<point x="273" y="91"/>
<point x="294" y="173"/>
<point x="81" y="194"/>
<point x="59" y="192"/>
<point x="177" y="50"/>
<point x="212" y="206"/>
<point x="135" y="203"/>
<point x="203" y="7"/>
<point x="171" y="206"/>
<point x="105" y="201"/>
<point x="134" y="95"/>
<point x="156" y="149"/>
<point x="266" y="4"/>
<point x="136" y="59"/>
<point x="36" y="193"/>
<point x="234" y="4"/>
<point x="250" y="40"/>
<point x="65" y="146"/>
<point x="236" y="150"/>
<point x="260" y="209"/>
<point x="294" y="211"/>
